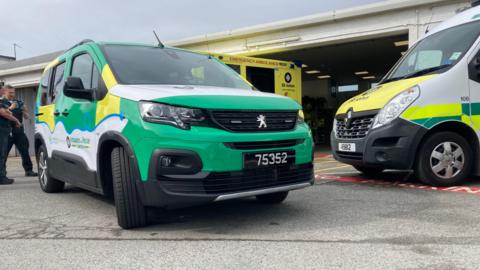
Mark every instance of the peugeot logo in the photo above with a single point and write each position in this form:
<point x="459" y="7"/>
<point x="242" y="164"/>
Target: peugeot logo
<point x="263" y="121"/>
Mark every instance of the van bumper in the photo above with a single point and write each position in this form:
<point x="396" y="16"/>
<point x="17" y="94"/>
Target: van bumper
<point x="392" y="146"/>
<point x="176" y="191"/>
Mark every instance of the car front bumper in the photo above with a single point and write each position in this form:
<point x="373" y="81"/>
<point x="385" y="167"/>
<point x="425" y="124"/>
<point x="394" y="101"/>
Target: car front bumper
<point x="216" y="172"/>
<point x="392" y="146"/>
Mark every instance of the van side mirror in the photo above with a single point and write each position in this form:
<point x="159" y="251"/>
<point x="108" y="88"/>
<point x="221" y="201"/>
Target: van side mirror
<point x="476" y="64"/>
<point x="74" y="88"/>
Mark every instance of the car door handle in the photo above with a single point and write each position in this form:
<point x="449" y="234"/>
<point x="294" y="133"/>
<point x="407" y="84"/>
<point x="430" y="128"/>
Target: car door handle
<point x="38" y="114"/>
<point x="65" y="113"/>
<point x="56" y="113"/>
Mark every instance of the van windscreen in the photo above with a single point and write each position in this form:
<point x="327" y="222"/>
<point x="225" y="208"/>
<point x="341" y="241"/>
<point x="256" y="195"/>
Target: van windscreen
<point x="437" y="52"/>
<point x="136" y="64"/>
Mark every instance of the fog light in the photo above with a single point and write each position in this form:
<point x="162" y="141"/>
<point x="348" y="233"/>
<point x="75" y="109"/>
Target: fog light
<point x="165" y="161"/>
<point x="175" y="162"/>
<point x="382" y="156"/>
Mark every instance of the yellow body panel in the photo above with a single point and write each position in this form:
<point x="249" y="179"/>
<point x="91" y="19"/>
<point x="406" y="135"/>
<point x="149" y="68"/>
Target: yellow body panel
<point x="376" y="98"/>
<point x="45" y="115"/>
<point x="110" y="104"/>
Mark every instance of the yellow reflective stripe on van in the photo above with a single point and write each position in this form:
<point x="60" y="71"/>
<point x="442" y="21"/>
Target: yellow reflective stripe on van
<point x="431" y="115"/>
<point x="110" y="104"/>
<point x="430" y="111"/>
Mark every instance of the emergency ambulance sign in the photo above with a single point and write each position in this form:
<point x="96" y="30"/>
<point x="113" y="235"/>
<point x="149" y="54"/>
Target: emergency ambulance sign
<point x="287" y="82"/>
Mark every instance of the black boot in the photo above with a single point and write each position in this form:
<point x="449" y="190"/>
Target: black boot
<point x="6" y="181"/>
<point x="31" y="173"/>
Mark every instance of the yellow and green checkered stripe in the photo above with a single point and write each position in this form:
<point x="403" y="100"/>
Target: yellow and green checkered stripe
<point x="430" y="115"/>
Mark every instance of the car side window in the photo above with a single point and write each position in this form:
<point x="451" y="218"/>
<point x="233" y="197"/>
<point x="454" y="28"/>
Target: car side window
<point x="52" y="83"/>
<point x="84" y="68"/>
<point x="45" y="88"/>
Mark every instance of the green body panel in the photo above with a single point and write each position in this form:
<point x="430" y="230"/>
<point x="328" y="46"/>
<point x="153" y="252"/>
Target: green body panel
<point x="431" y="122"/>
<point x="207" y="142"/>
<point x="233" y="102"/>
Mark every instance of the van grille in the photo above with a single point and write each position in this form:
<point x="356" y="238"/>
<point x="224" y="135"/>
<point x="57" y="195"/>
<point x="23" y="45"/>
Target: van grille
<point x="248" y="121"/>
<point x="263" y="145"/>
<point x="357" y="129"/>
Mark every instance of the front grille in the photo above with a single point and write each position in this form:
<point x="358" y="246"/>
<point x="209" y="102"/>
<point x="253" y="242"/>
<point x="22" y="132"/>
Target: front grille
<point x="246" y="180"/>
<point x="248" y="121"/>
<point x="349" y="155"/>
<point x="263" y="145"/>
<point x="357" y="129"/>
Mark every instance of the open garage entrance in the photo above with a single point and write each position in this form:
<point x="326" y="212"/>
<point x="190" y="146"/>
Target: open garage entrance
<point x="334" y="73"/>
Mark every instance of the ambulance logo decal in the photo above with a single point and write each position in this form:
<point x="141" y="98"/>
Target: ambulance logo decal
<point x="288" y="77"/>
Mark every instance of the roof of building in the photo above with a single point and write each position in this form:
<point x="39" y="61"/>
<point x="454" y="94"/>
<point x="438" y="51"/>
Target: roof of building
<point x="44" y="58"/>
<point x="7" y="57"/>
<point x="318" y="18"/>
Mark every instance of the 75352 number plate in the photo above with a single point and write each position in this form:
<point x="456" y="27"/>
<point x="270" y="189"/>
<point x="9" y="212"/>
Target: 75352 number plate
<point x="268" y="159"/>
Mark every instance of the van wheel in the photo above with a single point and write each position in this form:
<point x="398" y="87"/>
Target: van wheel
<point x="272" y="198"/>
<point x="130" y="210"/>
<point x="445" y="159"/>
<point x="368" y="170"/>
<point x="47" y="183"/>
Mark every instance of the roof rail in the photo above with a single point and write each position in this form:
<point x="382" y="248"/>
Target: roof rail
<point x="80" y="43"/>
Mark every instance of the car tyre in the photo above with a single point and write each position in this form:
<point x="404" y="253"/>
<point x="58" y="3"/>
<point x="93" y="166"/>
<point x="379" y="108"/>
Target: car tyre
<point x="272" y="198"/>
<point x="445" y="159"/>
<point x="47" y="183"/>
<point x="130" y="211"/>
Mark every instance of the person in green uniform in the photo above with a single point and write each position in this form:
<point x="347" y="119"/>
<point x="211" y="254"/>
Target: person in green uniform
<point x="6" y="118"/>
<point x="18" y="136"/>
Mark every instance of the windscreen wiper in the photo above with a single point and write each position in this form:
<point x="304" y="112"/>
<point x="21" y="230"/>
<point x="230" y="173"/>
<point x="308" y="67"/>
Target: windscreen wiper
<point x="425" y="71"/>
<point x="391" y="80"/>
<point x="416" y="73"/>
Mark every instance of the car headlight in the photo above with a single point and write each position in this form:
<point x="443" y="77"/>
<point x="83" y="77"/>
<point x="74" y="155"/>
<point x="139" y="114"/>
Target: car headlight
<point x="300" y="117"/>
<point x="396" y="106"/>
<point x="171" y="115"/>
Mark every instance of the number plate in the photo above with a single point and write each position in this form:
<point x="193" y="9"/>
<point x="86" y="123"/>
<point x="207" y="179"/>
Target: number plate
<point x="347" y="147"/>
<point x="268" y="159"/>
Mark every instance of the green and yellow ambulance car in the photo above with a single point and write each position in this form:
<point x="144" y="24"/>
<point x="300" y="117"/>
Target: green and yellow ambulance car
<point x="425" y="113"/>
<point x="165" y="127"/>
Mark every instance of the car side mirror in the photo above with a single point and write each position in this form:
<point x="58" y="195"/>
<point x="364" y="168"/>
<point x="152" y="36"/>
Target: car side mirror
<point x="74" y="88"/>
<point x="476" y="64"/>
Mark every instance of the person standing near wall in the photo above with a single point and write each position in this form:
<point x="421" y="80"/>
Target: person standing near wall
<point x="18" y="136"/>
<point x="6" y="118"/>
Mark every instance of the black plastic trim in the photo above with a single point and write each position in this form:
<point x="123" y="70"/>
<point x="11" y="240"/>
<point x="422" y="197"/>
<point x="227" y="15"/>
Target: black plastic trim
<point x="155" y="172"/>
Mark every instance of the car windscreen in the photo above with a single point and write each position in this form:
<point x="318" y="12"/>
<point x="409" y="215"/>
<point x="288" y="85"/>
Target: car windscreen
<point x="135" y="64"/>
<point x="437" y="52"/>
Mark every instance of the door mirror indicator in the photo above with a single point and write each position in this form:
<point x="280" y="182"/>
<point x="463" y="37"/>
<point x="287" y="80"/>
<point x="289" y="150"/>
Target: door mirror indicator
<point x="74" y="88"/>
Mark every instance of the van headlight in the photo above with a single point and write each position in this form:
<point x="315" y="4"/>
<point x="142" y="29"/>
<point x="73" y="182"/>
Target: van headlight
<point x="181" y="117"/>
<point x="396" y="106"/>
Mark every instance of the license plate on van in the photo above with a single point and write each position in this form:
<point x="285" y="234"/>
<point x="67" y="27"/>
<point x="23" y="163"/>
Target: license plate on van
<point x="268" y="159"/>
<point x="347" y="147"/>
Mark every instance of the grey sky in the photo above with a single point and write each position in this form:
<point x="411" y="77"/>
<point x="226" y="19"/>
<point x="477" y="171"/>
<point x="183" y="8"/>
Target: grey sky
<point x="42" y="26"/>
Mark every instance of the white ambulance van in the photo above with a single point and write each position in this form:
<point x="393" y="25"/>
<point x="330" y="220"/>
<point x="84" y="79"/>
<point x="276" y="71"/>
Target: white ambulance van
<point x="425" y="113"/>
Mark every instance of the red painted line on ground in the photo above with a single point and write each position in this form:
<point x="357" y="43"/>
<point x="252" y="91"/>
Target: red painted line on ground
<point x="375" y="182"/>
<point x="322" y="155"/>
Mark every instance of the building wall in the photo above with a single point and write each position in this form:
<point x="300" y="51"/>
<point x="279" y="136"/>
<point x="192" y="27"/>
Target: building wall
<point x="385" y="18"/>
